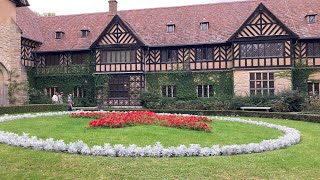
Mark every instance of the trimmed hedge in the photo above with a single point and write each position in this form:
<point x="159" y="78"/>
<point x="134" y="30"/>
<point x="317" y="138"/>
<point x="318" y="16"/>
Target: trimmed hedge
<point x="63" y="107"/>
<point x="32" y="108"/>
<point x="277" y="115"/>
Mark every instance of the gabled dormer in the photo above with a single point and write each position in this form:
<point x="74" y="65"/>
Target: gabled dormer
<point x="118" y="32"/>
<point x="262" y="23"/>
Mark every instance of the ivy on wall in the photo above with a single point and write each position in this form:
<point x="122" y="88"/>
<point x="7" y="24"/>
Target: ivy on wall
<point x="102" y="87"/>
<point x="65" y="83"/>
<point x="300" y="75"/>
<point x="187" y="82"/>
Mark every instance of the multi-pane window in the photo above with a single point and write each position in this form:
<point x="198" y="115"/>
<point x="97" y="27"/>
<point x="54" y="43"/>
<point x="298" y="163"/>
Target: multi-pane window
<point x="170" y="28"/>
<point x="50" y="91"/>
<point x="169" y="91"/>
<point x="311" y="19"/>
<point x="313" y="49"/>
<point x="262" y="84"/>
<point x="204" y="26"/>
<point x="79" y="92"/>
<point x="262" y="50"/>
<point x="85" y="33"/>
<point x="169" y="55"/>
<point x="52" y="60"/>
<point x="313" y="88"/>
<point x="202" y="54"/>
<point x="117" y="56"/>
<point x="205" y="91"/>
<point x="79" y="58"/>
<point x="119" y="87"/>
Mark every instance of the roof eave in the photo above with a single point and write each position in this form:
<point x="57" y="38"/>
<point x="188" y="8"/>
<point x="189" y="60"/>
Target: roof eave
<point x="20" y="3"/>
<point x="61" y="51"/>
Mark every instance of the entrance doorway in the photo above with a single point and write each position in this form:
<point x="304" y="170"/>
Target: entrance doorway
<point x="3" y="86"/>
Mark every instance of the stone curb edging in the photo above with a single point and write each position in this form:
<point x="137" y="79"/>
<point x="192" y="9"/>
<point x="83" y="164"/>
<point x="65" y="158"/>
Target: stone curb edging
<point x="291" y="136"/>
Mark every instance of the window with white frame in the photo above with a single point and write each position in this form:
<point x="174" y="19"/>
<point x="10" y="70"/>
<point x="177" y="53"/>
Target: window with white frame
<point x="170" y="28"/>
<point x="313" y="88"/>
<point x="205" y="91"/>
<point x="262" y="84"/>
<point x="169" y="91"/>
<point x="204" y="26"/>
<point x="311" y="18"/>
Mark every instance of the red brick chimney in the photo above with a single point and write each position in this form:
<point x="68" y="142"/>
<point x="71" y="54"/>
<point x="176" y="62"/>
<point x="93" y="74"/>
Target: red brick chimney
<point x="113" y="7"/>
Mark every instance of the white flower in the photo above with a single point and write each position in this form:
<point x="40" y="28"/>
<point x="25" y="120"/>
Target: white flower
<point x="291" y="136"/>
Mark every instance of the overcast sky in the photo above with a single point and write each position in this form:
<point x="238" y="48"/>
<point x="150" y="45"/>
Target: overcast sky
<point x="62" y="7"/>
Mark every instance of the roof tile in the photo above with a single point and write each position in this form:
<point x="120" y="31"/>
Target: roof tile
<point x="150" y="24"/>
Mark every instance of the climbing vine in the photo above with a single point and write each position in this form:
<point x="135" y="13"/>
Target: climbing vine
<point x="14" y="87"/>
<point x="187" y="82"/>
<point x="300" y="75"/>
<point x="66" y="83"/>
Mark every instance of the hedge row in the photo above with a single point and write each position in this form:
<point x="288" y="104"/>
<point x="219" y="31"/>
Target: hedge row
<point x="32" y="108"/>
<point x="63" y="107"/>
<point x="277" y="115"/>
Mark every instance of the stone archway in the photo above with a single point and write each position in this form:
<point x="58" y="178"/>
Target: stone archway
<point x="3" y="86"/>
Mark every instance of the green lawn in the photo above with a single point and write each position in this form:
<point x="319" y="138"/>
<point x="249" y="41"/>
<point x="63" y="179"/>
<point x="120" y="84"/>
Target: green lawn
<point x="301" y="161"/>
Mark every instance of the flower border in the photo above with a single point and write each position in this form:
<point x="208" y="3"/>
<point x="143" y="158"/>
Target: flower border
<point x="291" y="136"/>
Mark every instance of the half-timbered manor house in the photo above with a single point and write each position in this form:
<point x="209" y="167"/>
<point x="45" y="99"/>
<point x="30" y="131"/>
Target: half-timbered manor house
<point x="256" y="43"/>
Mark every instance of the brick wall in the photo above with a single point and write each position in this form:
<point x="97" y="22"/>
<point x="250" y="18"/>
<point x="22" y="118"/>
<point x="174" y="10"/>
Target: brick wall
<point x="242" y="81"/>
<point x="315" y="76"/>
<point x="10" y="55"/>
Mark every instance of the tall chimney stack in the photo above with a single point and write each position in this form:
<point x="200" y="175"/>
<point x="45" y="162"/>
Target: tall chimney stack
<point x="113" y="7"/>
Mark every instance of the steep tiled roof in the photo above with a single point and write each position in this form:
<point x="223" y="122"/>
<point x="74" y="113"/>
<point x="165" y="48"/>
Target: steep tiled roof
<point x="150" y="24"/>
<point x="71" y="26"/>
<point x="29" y="23"/>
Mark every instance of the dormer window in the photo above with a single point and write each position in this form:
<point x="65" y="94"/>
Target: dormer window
<point x="170" y="28"/>
<point x="311" y="19"/>
<point x="204" y="26"/>
<point x="59" y="34"/>
<point x="85" y="33"/>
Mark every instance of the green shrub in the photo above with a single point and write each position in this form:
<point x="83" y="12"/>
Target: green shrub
<point x="278" y="115"/>
<point x="38" y="97"/>
<point x="294" y="100"/>
<point x="150" y="100"/>
<point x="312" y="104"/>
<point x="32" y="108"/>
<point x="256" y="101"/>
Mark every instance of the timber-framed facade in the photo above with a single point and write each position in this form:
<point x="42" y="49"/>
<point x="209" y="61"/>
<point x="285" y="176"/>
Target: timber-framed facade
<point x="257" y="43"/>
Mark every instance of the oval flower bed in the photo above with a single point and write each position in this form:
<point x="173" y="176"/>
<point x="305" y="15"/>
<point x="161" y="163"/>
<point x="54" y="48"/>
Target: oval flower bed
<point x="132" y="118"/>
<point x="291" y="136"/>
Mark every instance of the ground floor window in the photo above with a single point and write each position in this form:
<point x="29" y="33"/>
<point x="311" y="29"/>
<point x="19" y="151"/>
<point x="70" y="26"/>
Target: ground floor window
<point x="313" y="88"/>
<point x="262" y="84"/>
<point x="205" y="91"/>
<point x="79" y="92"/>
<point x="169" y="91"/>
<point x="50" y="91"/>
<point x="119" y="87"/>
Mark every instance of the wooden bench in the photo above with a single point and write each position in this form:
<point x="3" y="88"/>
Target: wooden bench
<point x="256" y="108"/>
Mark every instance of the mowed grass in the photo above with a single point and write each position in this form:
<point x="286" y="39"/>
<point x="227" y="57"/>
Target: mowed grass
<point x="73" y="129"/>
<point x="301" y="161"/>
